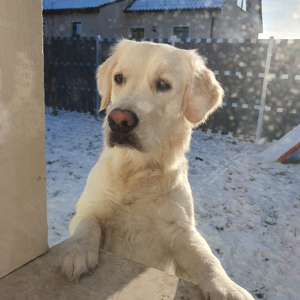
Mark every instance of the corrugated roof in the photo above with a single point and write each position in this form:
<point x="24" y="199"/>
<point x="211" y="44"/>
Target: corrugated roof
<point x="144" y="5"/>
<point x="73" y="4"/>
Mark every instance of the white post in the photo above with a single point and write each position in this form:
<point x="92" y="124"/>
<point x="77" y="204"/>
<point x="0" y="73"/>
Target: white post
<point x="98" y="62"/>
<point x="23" y="193"/>
<point x="264" y="89"/>
<point x="173" y="40"/>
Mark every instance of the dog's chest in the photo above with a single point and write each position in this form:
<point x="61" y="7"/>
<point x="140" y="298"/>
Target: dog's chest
<point x="133" y="232"/>
<point x="129" y="221"/>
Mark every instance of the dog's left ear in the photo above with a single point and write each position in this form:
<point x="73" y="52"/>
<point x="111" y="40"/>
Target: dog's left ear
<point x="203" y="94"/>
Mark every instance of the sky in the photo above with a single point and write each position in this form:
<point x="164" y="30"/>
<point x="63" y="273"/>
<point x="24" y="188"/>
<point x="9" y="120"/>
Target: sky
<point x="281" y="19"/>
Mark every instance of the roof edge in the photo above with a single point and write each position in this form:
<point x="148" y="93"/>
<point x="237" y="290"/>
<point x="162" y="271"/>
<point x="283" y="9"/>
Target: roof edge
<point x="71" y="10"/>
<point x="81" y="8"/>
<point x="171" y="9"/>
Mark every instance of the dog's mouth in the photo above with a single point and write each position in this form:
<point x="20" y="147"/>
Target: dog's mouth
<point x="120" y="140"/>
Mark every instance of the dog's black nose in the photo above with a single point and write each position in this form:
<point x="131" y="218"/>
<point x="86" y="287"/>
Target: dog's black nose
<point x="122" y="121"/>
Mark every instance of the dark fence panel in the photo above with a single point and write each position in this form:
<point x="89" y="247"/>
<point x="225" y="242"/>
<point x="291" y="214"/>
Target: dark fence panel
<point x="106" y="45"/>
<point x="282" y="110"/>
<point x="70" y="66"/>
<point x="239" y="65"/>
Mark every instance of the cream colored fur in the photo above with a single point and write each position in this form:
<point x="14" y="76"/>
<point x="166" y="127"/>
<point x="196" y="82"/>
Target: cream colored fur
<point x="139" y="204"/>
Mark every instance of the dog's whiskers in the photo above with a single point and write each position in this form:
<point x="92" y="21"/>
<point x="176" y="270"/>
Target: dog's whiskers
<point x="157" y="138"/>
<point x="154" y="158"/>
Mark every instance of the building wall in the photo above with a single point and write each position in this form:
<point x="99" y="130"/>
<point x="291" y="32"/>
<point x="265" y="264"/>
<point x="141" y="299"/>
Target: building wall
<point x="229" y="22"/>
<point x="108" y="23"/>
<point x="199" y="22"/>
<point x="60" y="25"/>
<point x="23" y="214"/>
<point x="234" y="23"/>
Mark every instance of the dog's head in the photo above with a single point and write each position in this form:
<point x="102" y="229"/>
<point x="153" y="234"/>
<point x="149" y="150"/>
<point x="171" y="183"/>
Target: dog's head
<point x="155" y="92"/>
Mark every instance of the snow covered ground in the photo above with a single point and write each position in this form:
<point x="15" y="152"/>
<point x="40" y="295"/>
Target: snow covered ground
<point x="249" y="213"/>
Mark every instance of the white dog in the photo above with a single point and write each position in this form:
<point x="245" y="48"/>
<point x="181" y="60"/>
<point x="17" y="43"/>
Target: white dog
<point x="137" y="201"/>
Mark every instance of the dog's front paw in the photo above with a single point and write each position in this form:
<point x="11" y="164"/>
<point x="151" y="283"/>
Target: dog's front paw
<point x="79" y="255"/>
<point x="227" y="290"/>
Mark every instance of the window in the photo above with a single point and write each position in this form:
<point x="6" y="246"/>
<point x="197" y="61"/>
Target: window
<point x="181" y="32"/>
<point x="44" y="29"/>
<point x="76" y="29"/>
<point x="137" y="32"/>
<point x="244" y="5"/>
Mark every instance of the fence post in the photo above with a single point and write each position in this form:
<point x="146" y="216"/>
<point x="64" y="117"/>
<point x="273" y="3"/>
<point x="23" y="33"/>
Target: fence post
<point x="173" y="40"/>
<point x="98" y="62"/>
<point x="264" y="89"/>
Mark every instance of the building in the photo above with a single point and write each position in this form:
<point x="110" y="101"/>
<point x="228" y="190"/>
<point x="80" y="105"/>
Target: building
<point x="150" y="19"/>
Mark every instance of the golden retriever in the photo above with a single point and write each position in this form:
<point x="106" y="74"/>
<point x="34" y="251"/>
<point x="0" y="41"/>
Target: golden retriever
<point x="137" y="201"/>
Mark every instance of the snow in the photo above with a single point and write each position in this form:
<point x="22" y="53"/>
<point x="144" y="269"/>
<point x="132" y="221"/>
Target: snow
<point x="249" y="213"/>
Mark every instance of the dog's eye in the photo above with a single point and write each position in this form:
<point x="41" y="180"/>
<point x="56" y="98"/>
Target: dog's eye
<point x="162" y="86"/>
<point x="118" y="79"/>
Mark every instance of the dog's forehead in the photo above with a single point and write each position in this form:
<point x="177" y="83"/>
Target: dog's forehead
<point x="154" y="56"/>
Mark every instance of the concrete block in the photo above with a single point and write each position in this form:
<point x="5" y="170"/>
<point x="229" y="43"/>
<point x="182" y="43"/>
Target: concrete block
<point x="116" y="278"/>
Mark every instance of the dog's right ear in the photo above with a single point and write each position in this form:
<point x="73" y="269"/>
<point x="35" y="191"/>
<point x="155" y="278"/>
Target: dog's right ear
<point x="104" y="79"/>
<point x="104" y="72"/>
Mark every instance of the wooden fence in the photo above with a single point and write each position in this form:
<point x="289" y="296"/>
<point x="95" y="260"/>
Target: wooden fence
<point x="239" y="65"/>
<point x="70" y="66"/>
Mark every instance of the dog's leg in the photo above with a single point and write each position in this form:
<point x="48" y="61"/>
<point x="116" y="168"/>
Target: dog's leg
<point x="79" y="253"/>
<point x="192" y="253"/>
<point x="181" y="273"/>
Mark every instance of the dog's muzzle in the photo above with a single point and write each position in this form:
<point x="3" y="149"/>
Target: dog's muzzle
<point x="122" y="123"/>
